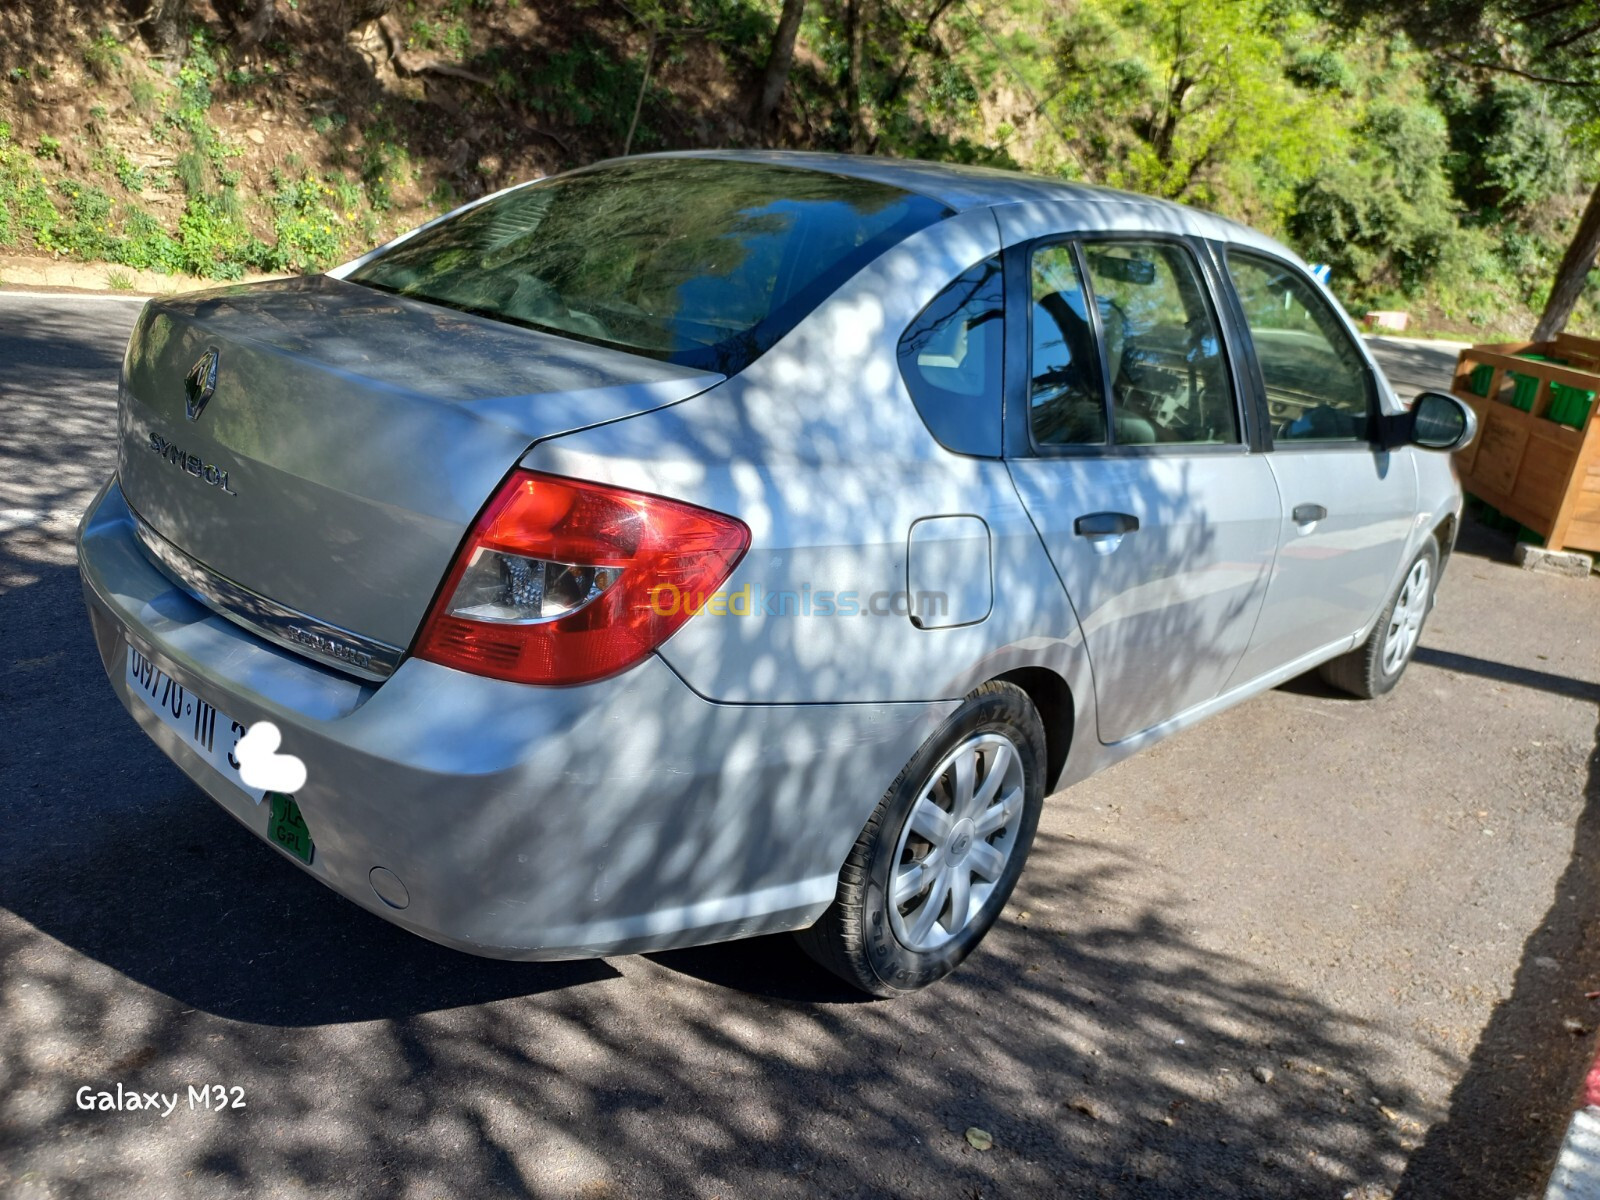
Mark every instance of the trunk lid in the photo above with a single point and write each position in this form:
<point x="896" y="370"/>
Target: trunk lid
<point x="351" y="438"/>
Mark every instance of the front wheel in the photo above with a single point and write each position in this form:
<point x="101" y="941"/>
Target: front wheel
<point x="938" y="859"/>
<point x="1375" y="666"/>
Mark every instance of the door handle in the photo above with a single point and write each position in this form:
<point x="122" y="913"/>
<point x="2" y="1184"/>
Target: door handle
<point x="1105" y="524"/>
<point x="1305" y="514"/>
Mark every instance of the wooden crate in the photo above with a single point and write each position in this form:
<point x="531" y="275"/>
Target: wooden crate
<point x="1536" y="471"/>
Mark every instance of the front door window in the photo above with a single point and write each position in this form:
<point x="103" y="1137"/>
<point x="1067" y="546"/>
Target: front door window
<point x="1316" y="380"/>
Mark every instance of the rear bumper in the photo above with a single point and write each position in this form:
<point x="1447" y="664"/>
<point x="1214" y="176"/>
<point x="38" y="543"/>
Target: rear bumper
<point x="523" y="822"/>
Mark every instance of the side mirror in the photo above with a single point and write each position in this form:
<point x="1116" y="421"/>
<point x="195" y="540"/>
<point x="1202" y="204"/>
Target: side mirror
<point x="1438" y="421"/>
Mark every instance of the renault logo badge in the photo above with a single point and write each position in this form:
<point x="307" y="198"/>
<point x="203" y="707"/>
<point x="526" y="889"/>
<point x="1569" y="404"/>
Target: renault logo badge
<point x="199" y="383"/>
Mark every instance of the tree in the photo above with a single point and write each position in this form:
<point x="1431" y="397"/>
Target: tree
<point x="775" y="76"/>
<point x="1383" y="215"/>
<point x="1573" y="272"/>
<point x="856" y="19"/>
<point x="166" y="24"/>
<point x="1172" y="98"/>
<point x="1551" y="43"/>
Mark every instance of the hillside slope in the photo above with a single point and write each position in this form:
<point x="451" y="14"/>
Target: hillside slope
<point x="293" y="153"/>
<point x="291" y="143"/>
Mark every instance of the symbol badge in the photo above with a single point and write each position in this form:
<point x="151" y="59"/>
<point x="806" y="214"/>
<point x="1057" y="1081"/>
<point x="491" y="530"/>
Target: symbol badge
<point x="199" y="383"/>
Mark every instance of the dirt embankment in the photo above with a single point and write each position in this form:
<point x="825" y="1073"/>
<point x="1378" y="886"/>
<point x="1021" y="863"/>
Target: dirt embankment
<point x="320" y="138"/>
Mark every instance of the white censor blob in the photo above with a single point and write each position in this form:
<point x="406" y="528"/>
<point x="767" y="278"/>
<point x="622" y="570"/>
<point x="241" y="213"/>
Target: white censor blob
<point x="260" y="764"/>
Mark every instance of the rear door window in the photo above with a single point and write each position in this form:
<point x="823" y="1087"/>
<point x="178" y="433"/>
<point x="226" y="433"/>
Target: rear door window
<point x="1169" y="381"/>
<point x="1066" y="403"/>
<point x="702" y="262"/>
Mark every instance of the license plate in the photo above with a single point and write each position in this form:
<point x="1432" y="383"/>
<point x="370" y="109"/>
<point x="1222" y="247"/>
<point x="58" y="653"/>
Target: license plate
<point x="287" y="827"/>
<point x="208" y="732"/>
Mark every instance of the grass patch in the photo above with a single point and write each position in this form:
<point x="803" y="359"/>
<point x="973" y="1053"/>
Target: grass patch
<point x="144" y="95"/>
<point x="103" y="56"/>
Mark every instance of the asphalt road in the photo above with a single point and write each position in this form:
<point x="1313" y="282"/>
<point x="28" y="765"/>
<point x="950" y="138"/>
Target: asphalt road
<point x="1313" y="948"/>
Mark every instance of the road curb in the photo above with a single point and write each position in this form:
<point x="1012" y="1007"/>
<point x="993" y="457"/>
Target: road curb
<point x="33" y="274"/>
<point x="1577" y="1173"/>
<point x="8" y="293"/>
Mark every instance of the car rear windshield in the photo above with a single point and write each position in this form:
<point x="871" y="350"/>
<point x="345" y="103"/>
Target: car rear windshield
<point x="702" y="262"/>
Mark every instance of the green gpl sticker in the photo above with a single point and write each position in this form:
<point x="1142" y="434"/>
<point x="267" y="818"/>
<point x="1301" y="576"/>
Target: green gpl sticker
<point x="287" y="827"/>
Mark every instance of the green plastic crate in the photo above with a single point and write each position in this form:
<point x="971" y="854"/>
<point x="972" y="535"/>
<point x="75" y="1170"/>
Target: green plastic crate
<point x="1482" y="375"/>
<point x="1570" y="405"/>
<point x="1524" y="389"/>
<point x="1558" y="405"/>
<point x="1493" y="518"/>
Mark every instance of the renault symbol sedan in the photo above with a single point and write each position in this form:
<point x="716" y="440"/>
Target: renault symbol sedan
<point x="698" y="546"/>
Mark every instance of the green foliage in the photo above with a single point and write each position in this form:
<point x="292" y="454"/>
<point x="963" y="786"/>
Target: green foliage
<point x="86" y="231"/>
<point x="128" y="175"/>
<point x="383" y="162"/>
<point x="26" y="211"/>
<point x="1384" y="217"/>
<point x="215" y="242"/>
<point x="308" y="227"/>
<point x="739" y="24"/>
<point x="453" y="36"/>
<point x="1510" y="150"/>
<point x="590" y="87"/>
<point x="422" y="34"/>
<point x="195" y="78"/>
<point x="1423" y="183"/>
<point x="1322" y="69"/>
<point x="193" y="172"/>
<point x="443" y="197"/>
<point x="458" y="39"/>
<point x="212" y="238"/>
<point x="103" y="56"/>
<point x="144" y="94"/>
<point x="147" y="246"/>
<point x="1215" y="102"/>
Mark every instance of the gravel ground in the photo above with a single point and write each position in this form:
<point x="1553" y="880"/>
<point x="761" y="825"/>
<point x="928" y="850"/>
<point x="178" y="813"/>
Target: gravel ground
<point x="1315" y="947"/>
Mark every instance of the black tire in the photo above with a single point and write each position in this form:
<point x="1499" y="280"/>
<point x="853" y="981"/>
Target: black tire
<point x="856" y="938"/>
<point x="1362" y="672"/>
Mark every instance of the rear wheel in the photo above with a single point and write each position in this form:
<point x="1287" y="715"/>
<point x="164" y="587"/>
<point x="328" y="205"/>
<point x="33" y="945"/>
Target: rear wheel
<point x="1375" y="666"/>
<point x="938" y="859"/>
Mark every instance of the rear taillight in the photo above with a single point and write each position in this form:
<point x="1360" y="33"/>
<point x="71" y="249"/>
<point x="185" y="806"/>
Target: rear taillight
<point x="562" y="581"/>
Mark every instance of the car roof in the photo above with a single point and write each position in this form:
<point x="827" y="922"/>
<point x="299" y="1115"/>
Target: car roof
<point x="960" y="187"/>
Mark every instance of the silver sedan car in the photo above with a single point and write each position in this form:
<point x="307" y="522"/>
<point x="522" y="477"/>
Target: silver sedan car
<point x="706" y="545"/>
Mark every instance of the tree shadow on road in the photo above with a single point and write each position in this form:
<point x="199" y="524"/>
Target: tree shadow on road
<point x="148" y="941"/>
<point x="1510" y="1110"/>
<point x="112" y="851"/>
